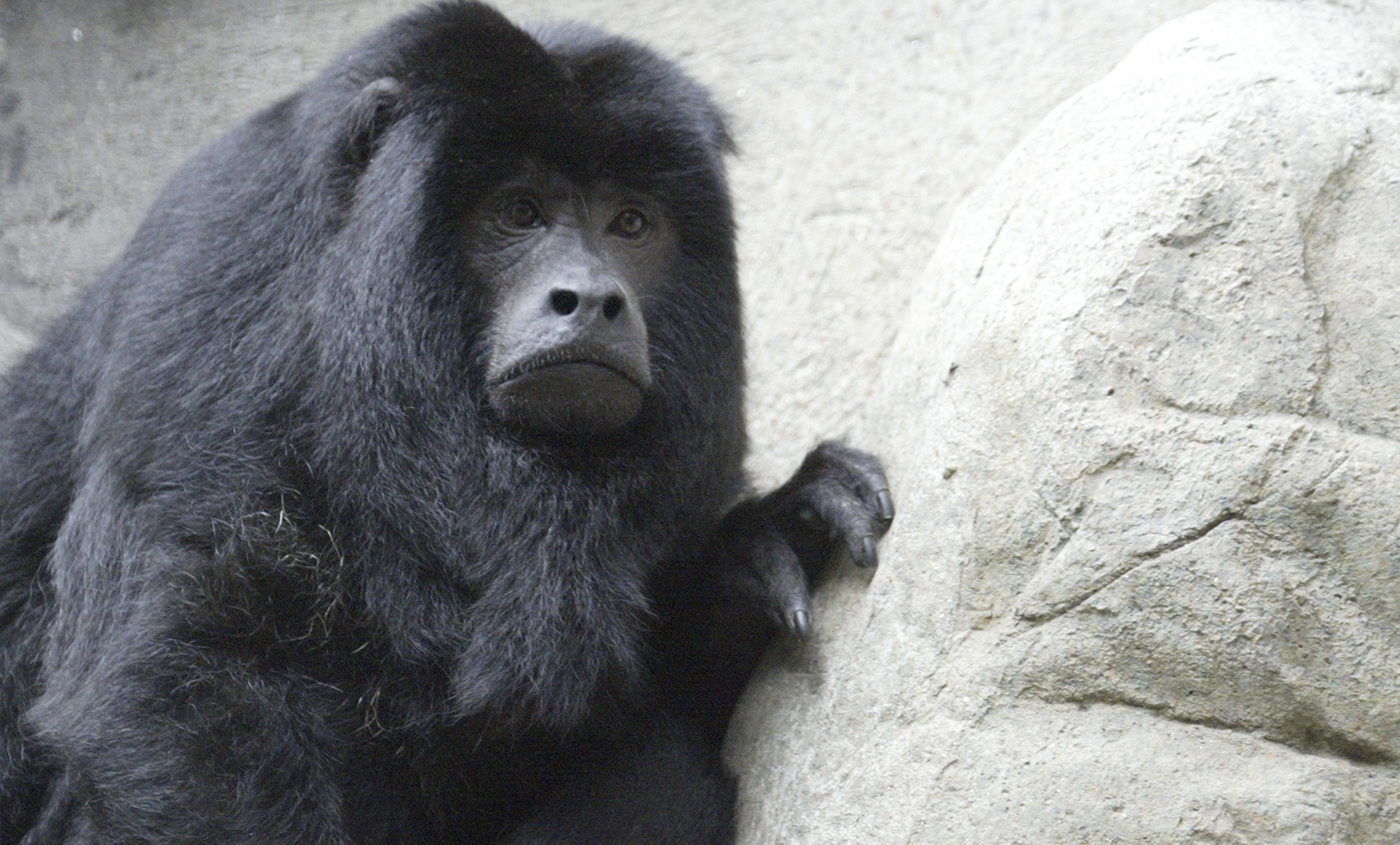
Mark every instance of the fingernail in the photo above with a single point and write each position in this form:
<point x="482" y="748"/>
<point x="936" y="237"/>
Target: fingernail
<point x="886" y="502"/>
<point x="868" y="546"/>
<point x="800" y="623"/>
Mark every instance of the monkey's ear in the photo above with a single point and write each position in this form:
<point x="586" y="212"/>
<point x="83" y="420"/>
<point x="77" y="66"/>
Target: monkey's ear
<point x="720" y="137"/>
<point x="372" y="111"/>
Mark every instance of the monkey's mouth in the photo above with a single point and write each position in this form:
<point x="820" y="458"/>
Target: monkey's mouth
<point x="572" y="390"/>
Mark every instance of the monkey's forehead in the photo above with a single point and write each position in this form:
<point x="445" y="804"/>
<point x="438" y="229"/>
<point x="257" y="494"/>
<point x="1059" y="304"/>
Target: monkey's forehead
<point x="564" y="80"/>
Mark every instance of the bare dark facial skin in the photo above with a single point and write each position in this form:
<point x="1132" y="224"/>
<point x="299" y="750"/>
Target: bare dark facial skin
<point x="568" y="268"/>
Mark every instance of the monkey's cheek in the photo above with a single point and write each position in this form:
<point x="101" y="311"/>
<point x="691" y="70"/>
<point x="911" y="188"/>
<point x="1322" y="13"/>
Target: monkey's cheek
<point x="576" y="398"/>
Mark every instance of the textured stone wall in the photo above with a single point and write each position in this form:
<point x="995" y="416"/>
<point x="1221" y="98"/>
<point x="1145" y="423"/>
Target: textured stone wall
<point x="1145" y="586"/>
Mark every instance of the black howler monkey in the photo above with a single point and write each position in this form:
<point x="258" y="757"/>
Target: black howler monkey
<point x="388" y="488"/>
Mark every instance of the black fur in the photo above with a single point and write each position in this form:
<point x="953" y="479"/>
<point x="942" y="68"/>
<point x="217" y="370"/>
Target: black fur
<point x="271" y="570"/>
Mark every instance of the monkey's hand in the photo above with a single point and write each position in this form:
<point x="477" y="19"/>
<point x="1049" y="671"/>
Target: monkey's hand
<point x="838" y="501"/>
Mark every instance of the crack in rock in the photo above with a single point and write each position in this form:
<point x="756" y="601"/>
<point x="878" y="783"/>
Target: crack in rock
<point x="1040" y="607"/>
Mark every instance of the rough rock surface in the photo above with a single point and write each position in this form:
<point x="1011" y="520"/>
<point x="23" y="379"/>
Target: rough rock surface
<point x="1145" y="408"/>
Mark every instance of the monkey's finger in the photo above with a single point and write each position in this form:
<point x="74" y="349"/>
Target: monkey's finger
<point x="783" y="583"/>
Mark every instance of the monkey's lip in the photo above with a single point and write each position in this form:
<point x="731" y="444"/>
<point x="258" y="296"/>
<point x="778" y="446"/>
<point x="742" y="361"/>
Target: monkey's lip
<point x="564" y="392"/>
<point x="581" y="355"/>
<point x="533" y="367"/>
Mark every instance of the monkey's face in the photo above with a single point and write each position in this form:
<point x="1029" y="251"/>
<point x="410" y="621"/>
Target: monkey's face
<point x="568" y="269"/>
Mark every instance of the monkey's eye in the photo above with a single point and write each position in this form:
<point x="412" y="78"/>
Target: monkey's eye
<point x="629" y="223"/>
<point x="521" y="213"/>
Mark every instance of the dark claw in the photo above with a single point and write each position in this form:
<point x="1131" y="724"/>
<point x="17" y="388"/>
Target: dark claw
<point x="886" y="502"/>
<point x="800" y="624"/>
<point x="868" y="547"/>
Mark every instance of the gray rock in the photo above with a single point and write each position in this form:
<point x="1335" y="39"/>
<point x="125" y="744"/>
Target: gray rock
<point x="1143" y="414"/>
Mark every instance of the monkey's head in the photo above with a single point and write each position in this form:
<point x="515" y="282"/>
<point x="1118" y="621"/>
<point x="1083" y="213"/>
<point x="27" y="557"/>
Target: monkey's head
<point x="610" y="188"/>
<point x="563" y="192"/>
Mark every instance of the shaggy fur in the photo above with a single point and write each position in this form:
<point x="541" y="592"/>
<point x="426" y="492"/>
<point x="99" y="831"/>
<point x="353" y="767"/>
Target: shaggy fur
<point x="271" y="570"/>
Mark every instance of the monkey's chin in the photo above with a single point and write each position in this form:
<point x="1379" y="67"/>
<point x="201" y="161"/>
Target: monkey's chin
<point x="576" y="398"/>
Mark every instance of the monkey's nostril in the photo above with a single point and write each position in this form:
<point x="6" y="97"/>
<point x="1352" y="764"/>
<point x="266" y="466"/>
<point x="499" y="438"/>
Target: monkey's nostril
<point x="612" y="306"/>
<point x="563" y="302"/>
